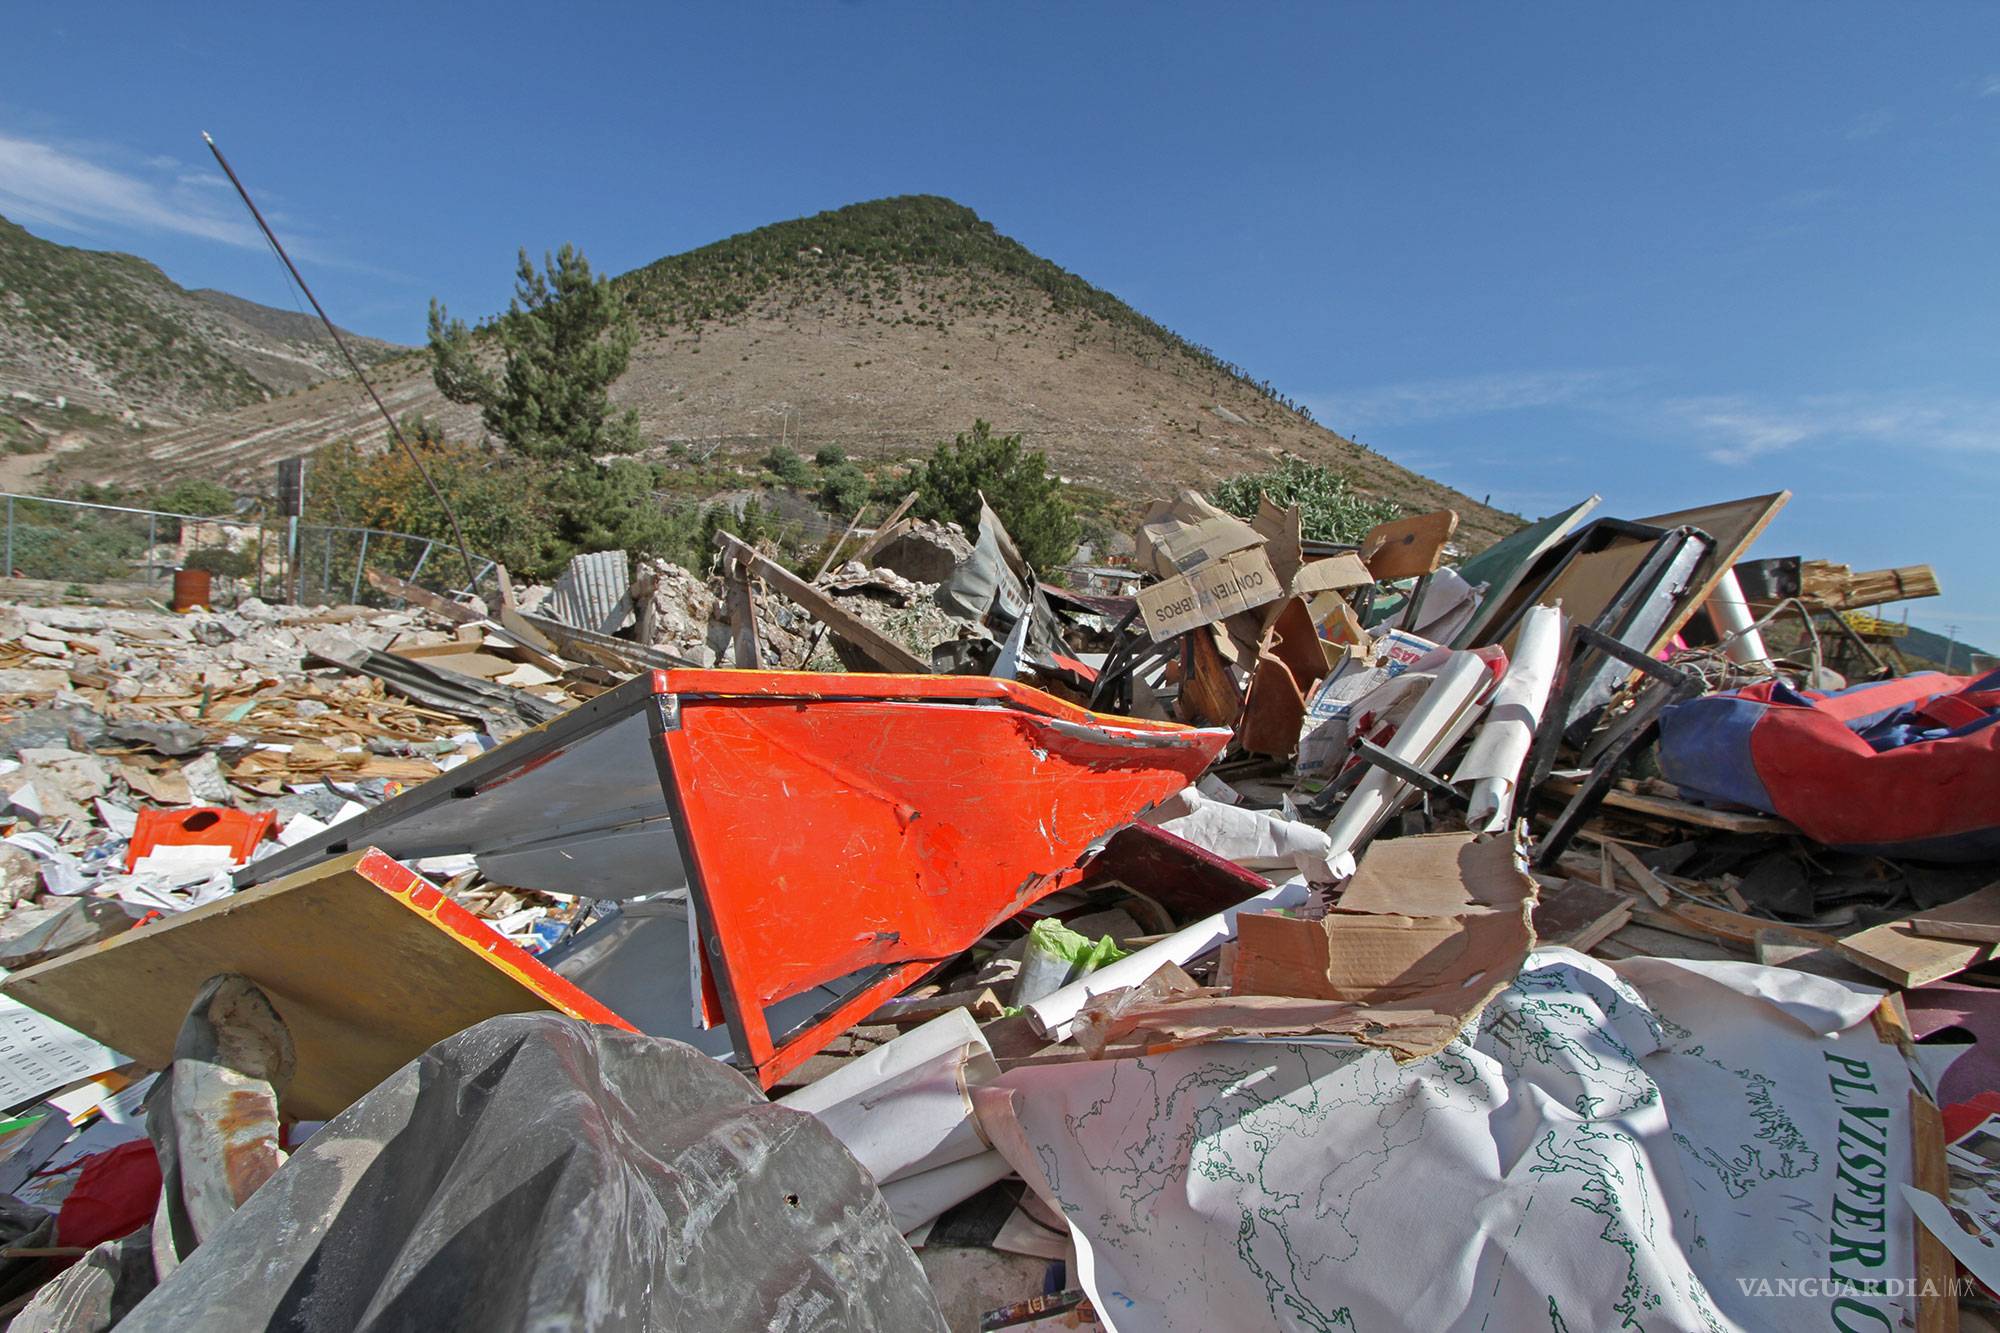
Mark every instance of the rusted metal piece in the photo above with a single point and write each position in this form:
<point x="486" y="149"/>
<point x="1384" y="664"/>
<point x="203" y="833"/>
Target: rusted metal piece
<point x="213" y="1117"/>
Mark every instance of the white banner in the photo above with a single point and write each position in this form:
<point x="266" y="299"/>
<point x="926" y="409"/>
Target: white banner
<point x="1651" y="1144"/>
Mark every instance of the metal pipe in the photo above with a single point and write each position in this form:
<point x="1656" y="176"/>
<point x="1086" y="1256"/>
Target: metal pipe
<point x="1738" y="628"/>
<point x="360" y="562"/>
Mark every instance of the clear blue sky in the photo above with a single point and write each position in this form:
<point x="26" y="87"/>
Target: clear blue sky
<point x="1670" y="254"/>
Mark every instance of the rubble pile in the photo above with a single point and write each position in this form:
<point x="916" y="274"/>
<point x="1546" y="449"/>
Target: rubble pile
<point x="1210" y="945"/>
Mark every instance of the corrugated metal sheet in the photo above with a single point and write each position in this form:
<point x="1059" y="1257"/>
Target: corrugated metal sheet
<point x="594" y="593"/>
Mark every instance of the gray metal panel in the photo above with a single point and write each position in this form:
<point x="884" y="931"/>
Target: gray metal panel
<point x="594" y="593"/>
<point x="635" y="962"/>
<point x="590" y="772"/>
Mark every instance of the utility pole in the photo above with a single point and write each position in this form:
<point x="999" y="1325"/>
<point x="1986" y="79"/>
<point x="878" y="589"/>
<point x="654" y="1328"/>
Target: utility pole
<point x="1951" y="645"/>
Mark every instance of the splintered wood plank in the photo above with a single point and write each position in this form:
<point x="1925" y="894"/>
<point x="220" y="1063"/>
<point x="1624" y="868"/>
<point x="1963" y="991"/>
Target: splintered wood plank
<point x="1937" y="1297"/>
<point x="1581" y="915"/>
<point x="1679" y="812"/>
<point x="1639" y="873"/>
<point x="1209" y="696"/>
<point x="1896" y="951"/>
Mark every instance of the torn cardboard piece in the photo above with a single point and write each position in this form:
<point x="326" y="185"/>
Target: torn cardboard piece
<point x="1333" y="573"/>
<point x="1188" y="532"/>
<point x="1430" y="929"/>
<point x="1214" y="591"/>
<point x="1290" y="661"/>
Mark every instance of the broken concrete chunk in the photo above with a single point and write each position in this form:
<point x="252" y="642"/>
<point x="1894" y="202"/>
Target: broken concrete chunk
<point x="20" y="875"/>
<point x="169" y="738"/>
<point x="205" y="781"/>
<point x="32" y="680"/>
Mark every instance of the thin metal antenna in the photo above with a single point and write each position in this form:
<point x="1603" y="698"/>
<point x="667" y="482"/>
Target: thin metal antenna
<point x="395" y="432"/>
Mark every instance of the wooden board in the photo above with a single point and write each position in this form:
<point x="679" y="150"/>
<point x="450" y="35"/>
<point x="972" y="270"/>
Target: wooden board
<point x="883" y="651"/>
<point x="1209" y="694"/>
<point x="1406" y="548"/>
<point x="367" y="963"/>
<point x="1638" y="872"/>
<point x="1937" y="1300"/>
<point x="1580" y="915"/>
<point x="1679" y="812"/>
<point x="1895" y="951"/>
<point x="1586" y="585"/>
<point x="885" y="531"/>
<point x="1944" y="923"/>
<point x="1735" y="525"/>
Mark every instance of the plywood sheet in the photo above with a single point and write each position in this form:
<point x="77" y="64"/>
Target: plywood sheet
<point x="1586" y="585"/>
<point x="1894" y="951"/>
<point x="1735" y="525"/>
<point x="367" y="963"/>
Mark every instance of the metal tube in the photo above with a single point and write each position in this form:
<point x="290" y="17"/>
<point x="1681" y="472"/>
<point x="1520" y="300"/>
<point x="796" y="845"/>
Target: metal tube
<point x="1734" y="622"/>
<point x="360" y="560"/>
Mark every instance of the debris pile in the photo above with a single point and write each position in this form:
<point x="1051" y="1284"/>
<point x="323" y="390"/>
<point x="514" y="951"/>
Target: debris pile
<point x="1210" y="945"/>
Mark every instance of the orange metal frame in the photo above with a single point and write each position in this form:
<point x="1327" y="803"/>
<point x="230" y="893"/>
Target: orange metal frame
<point x="831" y="829"/>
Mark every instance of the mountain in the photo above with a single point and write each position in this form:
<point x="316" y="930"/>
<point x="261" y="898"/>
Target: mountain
<point x="1940" y="649"/>
<point x="882" y="327"/>
<point x="117" y="339"/>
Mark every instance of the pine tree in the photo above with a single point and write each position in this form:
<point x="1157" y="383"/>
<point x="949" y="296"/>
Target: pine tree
<point x="565" y="339"/>
<point x="1030" y="500"/>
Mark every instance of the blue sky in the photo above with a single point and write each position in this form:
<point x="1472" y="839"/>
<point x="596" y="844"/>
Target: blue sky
<point x="1669" y="254"/>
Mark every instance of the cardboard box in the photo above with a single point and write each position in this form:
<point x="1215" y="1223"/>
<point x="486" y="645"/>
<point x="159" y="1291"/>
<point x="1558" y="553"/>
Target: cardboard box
<point x="1215" y="591"/>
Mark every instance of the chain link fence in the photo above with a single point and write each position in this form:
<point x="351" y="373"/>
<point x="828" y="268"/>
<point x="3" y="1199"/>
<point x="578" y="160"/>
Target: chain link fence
<point x="70" y="541"/>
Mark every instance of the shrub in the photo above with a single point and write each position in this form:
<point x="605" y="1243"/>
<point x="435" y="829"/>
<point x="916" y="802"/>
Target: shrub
<point x="843" y="488"/>
<point x="1329" y="508"/>
<point x="221" y="561"/>
<point x="1032" y="502"/>
<point x="786" y="465"/>
<point x="830" y="455"/>
<point x="191" y="495"/>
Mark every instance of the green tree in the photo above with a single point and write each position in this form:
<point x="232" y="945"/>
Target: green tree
<point x="1330" y="510"/>
<point x="564" y="340"/>
<point x="786" y="465"/>
<point x="1029" y="499"/>
<point x="830" y="455"/>
<point x="843" y="488"/>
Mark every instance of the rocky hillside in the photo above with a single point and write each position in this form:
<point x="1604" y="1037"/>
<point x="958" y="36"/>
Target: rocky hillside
<point x="882" y="327"/>
<point x="116" y="338"/>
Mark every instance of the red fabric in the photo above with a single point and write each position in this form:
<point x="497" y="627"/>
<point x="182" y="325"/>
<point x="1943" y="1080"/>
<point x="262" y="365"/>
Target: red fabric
<point x="1830" y="782"/>
<point x="115" y="1195"/>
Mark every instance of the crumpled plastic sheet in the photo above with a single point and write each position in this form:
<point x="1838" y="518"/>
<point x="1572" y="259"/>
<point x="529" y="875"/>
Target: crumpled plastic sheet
<point x="535" y="1172"/>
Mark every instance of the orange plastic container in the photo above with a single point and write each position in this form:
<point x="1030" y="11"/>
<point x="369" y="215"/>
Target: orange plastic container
<point x="204" y="826"/>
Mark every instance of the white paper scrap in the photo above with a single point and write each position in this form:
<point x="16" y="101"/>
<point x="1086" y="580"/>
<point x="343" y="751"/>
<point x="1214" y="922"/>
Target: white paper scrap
<point x="39" y="1055"/>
